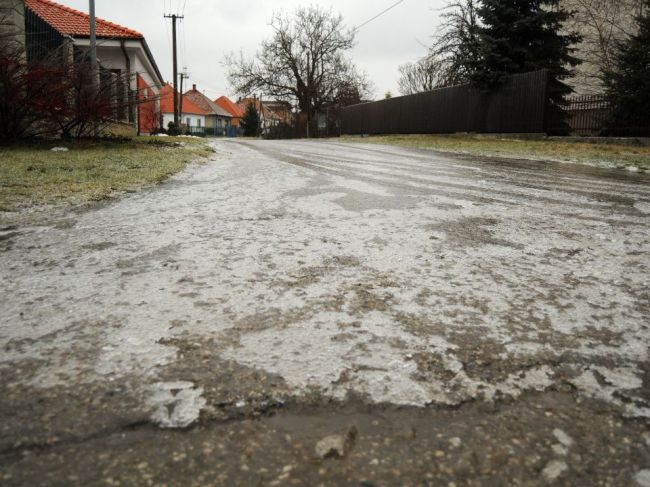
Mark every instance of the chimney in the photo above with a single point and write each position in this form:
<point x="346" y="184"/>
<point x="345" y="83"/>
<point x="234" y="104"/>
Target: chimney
<point x="194" y="87"/>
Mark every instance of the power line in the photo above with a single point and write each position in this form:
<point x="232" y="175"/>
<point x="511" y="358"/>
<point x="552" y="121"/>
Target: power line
<point x="184" y="42"/>
<point x="378" y="15"/>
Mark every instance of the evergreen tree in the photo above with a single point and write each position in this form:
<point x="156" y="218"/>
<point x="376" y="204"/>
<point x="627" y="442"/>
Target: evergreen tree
<point x="518" y="36"/>
<point x="251" y="121"/>
<point x="628" y="83"/>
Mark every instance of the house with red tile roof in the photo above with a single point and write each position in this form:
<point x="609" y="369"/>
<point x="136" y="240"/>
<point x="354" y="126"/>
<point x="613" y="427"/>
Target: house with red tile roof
<point x="193" y="117"/>
<point x="217" y="119"/>
<point x="236" y="111"/>
<point x="52" y="27"/>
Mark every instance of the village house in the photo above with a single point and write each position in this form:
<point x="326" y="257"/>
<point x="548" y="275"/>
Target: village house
<point x="268" y="117"/>
<point x="217" y="120"/>
<point x="282" y="109"/>
<point x="123" y="54"/>
<point x="235" y="111"/>
<point x="192" y="119"/>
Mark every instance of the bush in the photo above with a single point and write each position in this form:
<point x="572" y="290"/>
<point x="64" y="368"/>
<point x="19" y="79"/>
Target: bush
<point x="173" y="129"/>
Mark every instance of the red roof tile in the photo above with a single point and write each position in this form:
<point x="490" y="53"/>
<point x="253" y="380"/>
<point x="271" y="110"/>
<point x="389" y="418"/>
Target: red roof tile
<point x="73" y="22"/>
<point x="167" y="102"/>
<point x="203" y="102"/>
<point x="232" y="108"/>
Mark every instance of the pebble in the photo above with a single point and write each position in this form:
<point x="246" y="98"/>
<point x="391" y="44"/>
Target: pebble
<point x="336" y="446"/>
<point x="562" y="437"/>
<point x="554" y="469"/>
<point x="559" y="449"/>
<point x="332" y="446"/>
<point x="455" y="442"/>
<point x="642" y="478"/>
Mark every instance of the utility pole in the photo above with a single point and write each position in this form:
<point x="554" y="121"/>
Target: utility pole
<point x="183" y="76"/>
<point x="262" y="118"/>
<point x="94" y="68"/>
<point x="174" y="17"/>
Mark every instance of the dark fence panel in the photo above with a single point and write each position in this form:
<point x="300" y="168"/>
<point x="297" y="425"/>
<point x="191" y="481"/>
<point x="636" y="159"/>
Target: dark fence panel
<point x="592" y="115"/>
<point x="517" y="107"/>
<point x="586" y="114"/>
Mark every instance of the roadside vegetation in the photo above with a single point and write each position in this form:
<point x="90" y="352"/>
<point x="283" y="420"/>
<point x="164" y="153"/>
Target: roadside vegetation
<point x="33" y="174"/>
<point x="603" y="154"/>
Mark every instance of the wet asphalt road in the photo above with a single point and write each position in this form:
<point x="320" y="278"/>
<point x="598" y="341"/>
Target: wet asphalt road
<point x="472" y="322"/>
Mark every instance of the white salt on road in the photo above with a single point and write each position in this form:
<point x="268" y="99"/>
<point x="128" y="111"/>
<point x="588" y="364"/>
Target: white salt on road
<point x="405" y="276"/>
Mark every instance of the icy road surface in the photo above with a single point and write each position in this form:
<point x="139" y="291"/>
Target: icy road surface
<point x="404" y="276"/>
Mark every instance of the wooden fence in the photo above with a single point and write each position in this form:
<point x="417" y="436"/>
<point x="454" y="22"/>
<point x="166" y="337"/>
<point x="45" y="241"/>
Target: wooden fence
<point x="519" y="106"/>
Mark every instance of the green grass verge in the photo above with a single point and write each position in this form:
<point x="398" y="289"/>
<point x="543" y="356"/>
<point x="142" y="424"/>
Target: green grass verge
<point x="90" y="171"/>
<point x="546" y="149"/>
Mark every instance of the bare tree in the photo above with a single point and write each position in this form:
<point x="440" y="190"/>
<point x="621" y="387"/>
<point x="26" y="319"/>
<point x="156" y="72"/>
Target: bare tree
<point x="305" y="60"/>
<point x="453" y="55"/>
<point x="456" y="46"/>
<point x="51" y="96"/>
<point x="425" y="74"/>
<point x="602" y="24"/>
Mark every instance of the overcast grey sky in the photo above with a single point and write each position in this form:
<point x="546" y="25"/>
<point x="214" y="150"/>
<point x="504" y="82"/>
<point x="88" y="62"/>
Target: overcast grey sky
<point x="212" y="28"/>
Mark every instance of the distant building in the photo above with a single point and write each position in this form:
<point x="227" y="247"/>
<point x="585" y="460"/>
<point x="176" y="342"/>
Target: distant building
<point x="193" y="118"/>
<point x="123" y="52"/>
<point x="268" y="117"/>
<point x="282" y="109"/>
<point x="217" y="120"/>
<point x="235" y="111"/>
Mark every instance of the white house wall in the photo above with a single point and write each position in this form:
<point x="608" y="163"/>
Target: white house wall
<point x="111" y="56"/>
<point x="194" y="119"/>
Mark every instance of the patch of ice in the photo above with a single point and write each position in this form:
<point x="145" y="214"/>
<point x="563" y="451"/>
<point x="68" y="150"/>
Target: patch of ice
<point x="642" y="478"/>
<point x="642" y="206"/>
<point x="175" y="404"/>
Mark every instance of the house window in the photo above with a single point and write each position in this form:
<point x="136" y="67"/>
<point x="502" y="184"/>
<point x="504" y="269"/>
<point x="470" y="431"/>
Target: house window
<point x="198" y="122"/>
<point x="188" y="121"/>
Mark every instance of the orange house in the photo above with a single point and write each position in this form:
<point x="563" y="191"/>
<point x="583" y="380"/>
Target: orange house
<point x="235" y="110"/>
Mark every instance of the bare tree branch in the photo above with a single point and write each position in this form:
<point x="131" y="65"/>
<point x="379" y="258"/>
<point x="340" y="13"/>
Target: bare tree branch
<point x="303" y="61"/>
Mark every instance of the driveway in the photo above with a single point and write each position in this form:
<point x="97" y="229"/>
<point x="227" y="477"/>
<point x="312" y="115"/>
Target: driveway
<point x="453" y="320"/>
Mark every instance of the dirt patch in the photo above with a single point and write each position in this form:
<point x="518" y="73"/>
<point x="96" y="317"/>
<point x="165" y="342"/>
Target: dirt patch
<point x="471" y="232"/>
<point x="507" y="443"/>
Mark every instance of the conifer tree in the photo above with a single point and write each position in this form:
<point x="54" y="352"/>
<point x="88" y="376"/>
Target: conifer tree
<point x="628" y="83"/>
<point x="518" y="36"/>
<point x="251" y="121"/>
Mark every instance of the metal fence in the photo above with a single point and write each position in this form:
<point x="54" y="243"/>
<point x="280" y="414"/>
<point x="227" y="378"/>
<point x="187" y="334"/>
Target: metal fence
<point x="586" y="115"/>
<point x="593" y="115"/>
<point x="519" y="106"/>
<point x="207" y="131"/>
